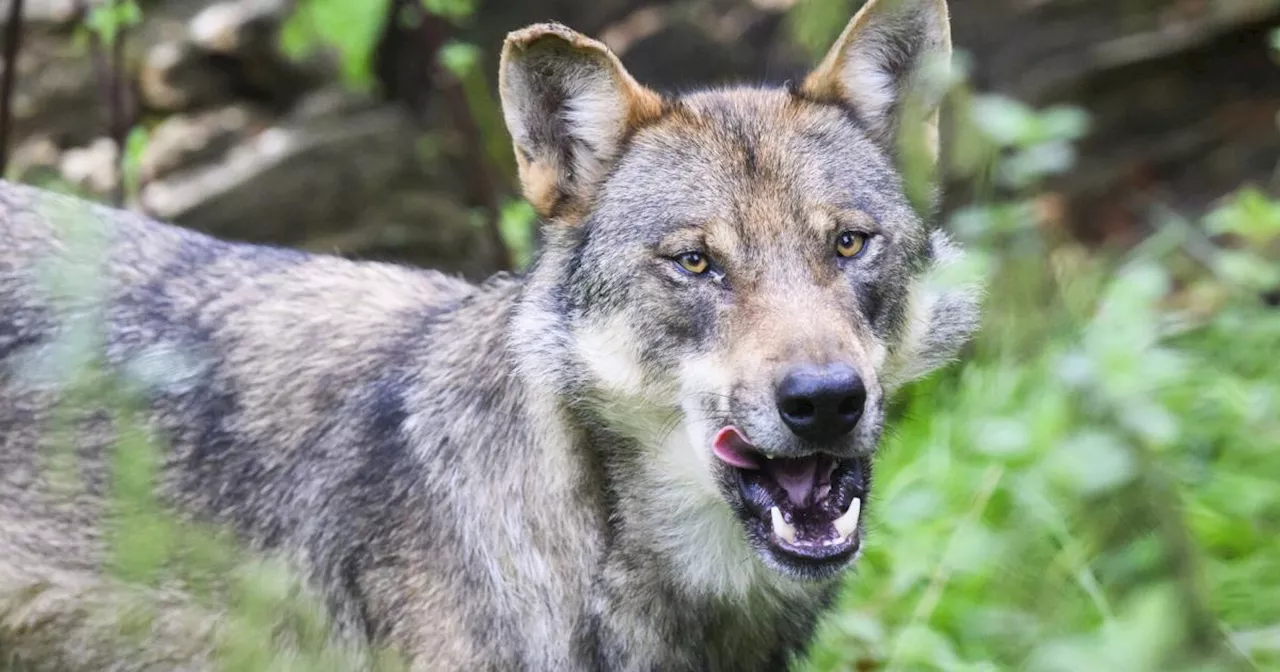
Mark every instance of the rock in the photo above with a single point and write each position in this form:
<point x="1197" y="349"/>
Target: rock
<point x="241" y="37"/>
<point x="95" y="167"/>
<point x="177" y="76"/>
<point x="408" y="223"/>
<point x="345" y="177"/>
<point x="54" y="95"/>
<point x="36" y="159"/>
<point x="186" y="140"/>
<point x="44" y="11"/>
<point x="349" y="183"/>
<point x="238" y="27"/>
<point x="329" y="103"/>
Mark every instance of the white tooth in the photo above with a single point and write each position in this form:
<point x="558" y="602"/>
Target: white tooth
<point x="847" y="523"/>
<point x="781" y="527"/>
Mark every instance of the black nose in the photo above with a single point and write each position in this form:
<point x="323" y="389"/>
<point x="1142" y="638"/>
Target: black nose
<point x="821" y="403"/>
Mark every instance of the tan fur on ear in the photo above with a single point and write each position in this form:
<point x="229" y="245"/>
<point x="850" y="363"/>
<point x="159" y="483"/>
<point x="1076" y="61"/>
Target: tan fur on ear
<point x="569" y="104"/>
<point x="872" y="64"/>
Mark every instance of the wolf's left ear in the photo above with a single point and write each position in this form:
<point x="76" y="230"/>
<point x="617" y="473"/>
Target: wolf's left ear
<point x="568" y="104"/>
<point x="874" y="64"/>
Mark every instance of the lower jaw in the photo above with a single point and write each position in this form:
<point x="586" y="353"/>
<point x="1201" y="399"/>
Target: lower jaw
<point x="807" y="561"/>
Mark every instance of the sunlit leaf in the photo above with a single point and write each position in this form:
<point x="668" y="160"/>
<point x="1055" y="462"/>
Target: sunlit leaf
<point x="1092" y="462"/>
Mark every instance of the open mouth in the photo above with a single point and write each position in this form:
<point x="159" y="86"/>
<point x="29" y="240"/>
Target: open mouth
<point x="805" y="508"/>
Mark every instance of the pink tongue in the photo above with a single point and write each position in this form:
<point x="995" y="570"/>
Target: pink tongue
<point x="732" y="448"/>
<point x="796" y="477"/>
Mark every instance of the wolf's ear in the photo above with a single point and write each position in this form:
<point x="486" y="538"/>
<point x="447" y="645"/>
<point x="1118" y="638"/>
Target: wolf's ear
<point x="943" y="312"/>
<point x="873" y="65"/>
<point x="568" y="104"/>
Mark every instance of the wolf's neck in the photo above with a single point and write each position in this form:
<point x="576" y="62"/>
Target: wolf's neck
<point x="677" y="569"/>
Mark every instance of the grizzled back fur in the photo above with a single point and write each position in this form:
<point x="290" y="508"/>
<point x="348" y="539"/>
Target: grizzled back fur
<point x="618" y="460"/>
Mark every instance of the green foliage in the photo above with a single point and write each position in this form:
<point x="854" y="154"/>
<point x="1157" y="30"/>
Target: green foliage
<point x="517" y="226"/>
<point x="1249" y="214"/>
<point x="814" y="24"/>
<point x="109" y="18"/>
<point x="131" y="163"/>
<point x="458" y="11"/>
<point x="349" y="28"/>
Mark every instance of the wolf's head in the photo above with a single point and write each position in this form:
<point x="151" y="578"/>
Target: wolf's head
<point x="735" y="279"/>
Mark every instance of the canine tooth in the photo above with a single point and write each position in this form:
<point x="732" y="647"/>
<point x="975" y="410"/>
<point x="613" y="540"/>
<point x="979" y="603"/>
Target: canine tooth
<point x="847" y="523"/>
<point x="781" y="527"/>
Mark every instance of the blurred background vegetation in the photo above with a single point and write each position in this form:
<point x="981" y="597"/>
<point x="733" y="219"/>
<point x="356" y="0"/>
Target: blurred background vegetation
<point x="1097" y="487"/>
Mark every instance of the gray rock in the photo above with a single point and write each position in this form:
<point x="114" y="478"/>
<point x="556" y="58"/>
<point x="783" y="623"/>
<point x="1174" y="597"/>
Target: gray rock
<point x="94" y="168"/>
<point x="36" y="159"/>
<point x="44" y="11"/>
<point x="343" y="176"/>
<point x="178" y="76"/>
<point x="187" y="140"/>
<point x="238" y="27"/>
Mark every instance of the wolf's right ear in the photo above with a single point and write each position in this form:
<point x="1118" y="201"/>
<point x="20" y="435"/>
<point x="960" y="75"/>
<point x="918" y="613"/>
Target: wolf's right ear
<point x="568" y="104"/>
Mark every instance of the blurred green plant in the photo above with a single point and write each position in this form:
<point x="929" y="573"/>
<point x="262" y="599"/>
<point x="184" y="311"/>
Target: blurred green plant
<point x="517" y="224"/>
<point x="463" y="62"/>
<point x="458" y="11"/>
<point x="351" y="29"/>
<point x="109" y="19"/>
<point x="814" y="24"/>
<point x="131" y="161"/>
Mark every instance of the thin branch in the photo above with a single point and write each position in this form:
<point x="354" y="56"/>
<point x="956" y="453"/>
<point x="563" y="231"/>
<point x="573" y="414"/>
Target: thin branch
<point x="119" y="120"/>
<point x="112" y="86"/>
<point x="12" y="42"/>
<point x="409" y="69"/>
<point x="942" y="572"/>
<point x="474" y="164"/>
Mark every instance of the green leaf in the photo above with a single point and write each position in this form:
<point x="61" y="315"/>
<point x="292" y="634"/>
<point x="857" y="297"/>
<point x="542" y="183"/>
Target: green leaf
<point x="1003" y="119"/>
<point x="109" y="18"/>
<point x="1001" y="437"/>
<point x="457" y="11"/>
<point x="460" y="58"/>
<point x="134" y="145"/>
<point x="1250" y="214"/>
<point x="1092" y="462"/>
<point x="349" y="28"/>
<point x="517" y="224"/>
<point x="1063" y="123"/>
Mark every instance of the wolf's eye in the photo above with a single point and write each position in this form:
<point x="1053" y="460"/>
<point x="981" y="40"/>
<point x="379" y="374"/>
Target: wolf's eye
<point x="694" y="262"/>
<point x="850" y="244"/>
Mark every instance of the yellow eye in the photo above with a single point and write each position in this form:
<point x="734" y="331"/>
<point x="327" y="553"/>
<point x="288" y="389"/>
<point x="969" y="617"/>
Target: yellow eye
<point x="851" y="244"/>
<point x="694" y="262"/>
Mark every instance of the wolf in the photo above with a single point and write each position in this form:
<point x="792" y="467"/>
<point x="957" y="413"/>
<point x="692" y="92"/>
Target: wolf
<point x="652" y="450"/>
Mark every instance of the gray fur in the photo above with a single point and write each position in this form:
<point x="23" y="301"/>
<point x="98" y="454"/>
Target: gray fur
<point x="513" y="475"/>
